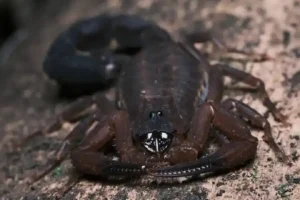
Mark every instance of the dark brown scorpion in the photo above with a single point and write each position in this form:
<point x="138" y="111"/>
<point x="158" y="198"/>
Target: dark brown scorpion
<point x="168" y="102"/>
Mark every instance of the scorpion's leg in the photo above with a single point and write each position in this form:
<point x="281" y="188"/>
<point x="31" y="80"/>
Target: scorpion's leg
<point x="79" y="109"/>
<point x="88" y="128"/>
<point x="207" y="36"/>
<point x="256" y="120"/>
<point x="241" y="147"/>
<point x="73" y="138"/>
<point x="87" y="158"/>
<point x="257" y="84"/>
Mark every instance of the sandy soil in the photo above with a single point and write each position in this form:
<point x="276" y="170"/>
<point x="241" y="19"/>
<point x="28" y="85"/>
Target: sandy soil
<point x="28" y="101"/>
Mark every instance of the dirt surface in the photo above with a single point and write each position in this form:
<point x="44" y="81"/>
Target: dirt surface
<point x="28" y="99"/>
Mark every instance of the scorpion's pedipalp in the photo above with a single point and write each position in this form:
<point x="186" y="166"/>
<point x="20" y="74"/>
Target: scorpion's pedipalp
<point x="228" y="156"/>
<point x="125" y="169"/>
<point x="204" y="165"/>
<point x="239" y="148"/>
<point x="96" y="163"/>
<point x="89" y="159"/>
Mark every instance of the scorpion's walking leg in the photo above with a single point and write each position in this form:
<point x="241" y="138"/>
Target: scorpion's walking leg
<point x="245" y="111"/>
<point x="87" y="129"/>
<point x="78" y="133"/>
<point x="254" y="82"/>
<point x="70" y="141"/>
<point x="206" y="36"/>
<point x="79" y="109"/>
<point x="240" y="148"/>
<point x="256" y="120"/>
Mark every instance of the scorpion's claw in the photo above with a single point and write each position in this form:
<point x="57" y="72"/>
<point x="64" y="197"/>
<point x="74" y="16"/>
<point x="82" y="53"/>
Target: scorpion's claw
<point x="188" y="169"/>
<point x="125" y="170"/>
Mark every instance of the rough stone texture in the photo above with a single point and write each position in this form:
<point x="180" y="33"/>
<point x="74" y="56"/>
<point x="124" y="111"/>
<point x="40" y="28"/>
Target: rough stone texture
<point x="28" y="100"/>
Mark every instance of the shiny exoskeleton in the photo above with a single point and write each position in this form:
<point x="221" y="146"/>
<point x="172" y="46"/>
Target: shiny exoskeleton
<point x="168" y="101"/>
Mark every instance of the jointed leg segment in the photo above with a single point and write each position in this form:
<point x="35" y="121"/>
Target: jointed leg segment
<point x="254" y="82"/>
<point x="79" y="109"/>
<point x="69" y="143"/>
<point x="256" y="120"/>
<point x="207" y="36"/>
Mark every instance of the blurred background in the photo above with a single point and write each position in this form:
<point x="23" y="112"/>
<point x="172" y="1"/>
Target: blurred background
<point x="15" y="15"/>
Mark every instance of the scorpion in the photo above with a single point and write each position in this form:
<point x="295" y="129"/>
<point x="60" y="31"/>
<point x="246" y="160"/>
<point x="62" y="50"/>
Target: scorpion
<point x="167" y="103"/>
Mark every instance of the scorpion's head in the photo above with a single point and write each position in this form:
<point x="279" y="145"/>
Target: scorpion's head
<point x="156" y="133"/>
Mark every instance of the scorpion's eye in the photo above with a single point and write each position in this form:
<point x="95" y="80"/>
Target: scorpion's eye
<point x="152" y="115"/>
<point x="159" y="113"/>
<point x="157" y="142"/>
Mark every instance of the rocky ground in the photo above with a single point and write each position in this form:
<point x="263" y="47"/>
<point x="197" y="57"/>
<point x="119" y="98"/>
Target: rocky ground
<point x="28" y="99"/>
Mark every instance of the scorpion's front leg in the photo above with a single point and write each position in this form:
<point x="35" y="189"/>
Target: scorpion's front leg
<point x="69" y="143"/>
<point x="207" y="36"/>
<point x="245" y="112"/>
<point x="241" y="147"/>
<point x="257" y="84"/>
<point x="79" y="109"/>
<point x="87" y="158"/>
<point x="255" y="120"/>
